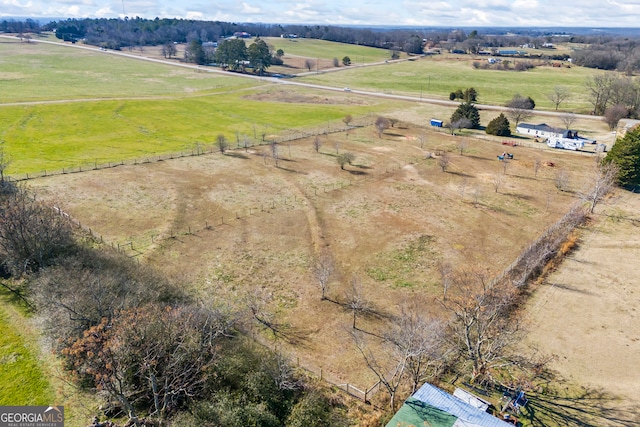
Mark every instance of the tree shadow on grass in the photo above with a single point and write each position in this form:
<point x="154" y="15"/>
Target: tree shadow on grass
<point x="462" y="174"/>
<point x="236" y="155"/>
<point x="580" y="408"/>
<point x="291" y="170"/>
<point x="359" y="173"/>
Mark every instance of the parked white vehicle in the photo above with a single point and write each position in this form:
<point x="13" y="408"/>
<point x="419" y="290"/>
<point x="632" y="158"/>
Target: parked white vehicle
<point x="565" y="143"/>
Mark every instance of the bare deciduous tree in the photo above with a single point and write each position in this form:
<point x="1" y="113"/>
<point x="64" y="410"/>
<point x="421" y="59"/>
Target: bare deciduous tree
<point x="421" y="342"/>
<point x="317" y="143"/>
<point x="481" y="330"/>
<point x="537" y="164"/>
<point x="309" y="64"/>
<point x="324" y="270"/>
<point x="519" y="109"/>
<point x="599" y="87"/>
<point x="389" y="370"/>
<point x="421" y="139"/>
<point x="462" y="123"/>
<point x="32" y="233"/>
<point x="222" y="143"/>
<point x="274" y="152"/>
<point x="497" y="180"/>
<point x="461" y="145"/>
<point x="382" y="124"/>
<point x="600" y="184"/>
<point x="345" y="158"/>
<point x="356" y="301"/>
<point x="613" y="114"/>
<point x="477" y="192"/>
<point x="562" y="180"/>
<point x="443" y="161"/>
<point x="568" y="119"/>
<point x="257" y="300"/>
<point x="505" y="165"/>
<point x="558" y="96"/>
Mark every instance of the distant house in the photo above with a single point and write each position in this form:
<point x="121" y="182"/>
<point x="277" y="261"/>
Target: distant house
<point x="435" y="122"/>
<point x="431" y="406"/>
<point x="542" y="130"/>
<point x="241" y="35"/>
<point x="555" y="138"/>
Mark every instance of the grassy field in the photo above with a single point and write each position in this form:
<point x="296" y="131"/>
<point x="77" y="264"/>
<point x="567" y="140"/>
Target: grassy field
<point x="387" y="220"/>
<point x="322" y="49"/>
<point x="52" y="137"/>
<point x="227" y="224"/>
<point x="22" y="379"/>
<point x="40" y="72"/>
<point x="437" y="77"/>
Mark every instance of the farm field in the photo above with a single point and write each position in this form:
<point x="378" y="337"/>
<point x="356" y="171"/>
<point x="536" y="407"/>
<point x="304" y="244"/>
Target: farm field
<point x="437" y="76"/>
<point x="52" y="137"/>
<point x="44" y="72"/>
<point x="228" y="225"/>
<point x="430" y="77"/>
<point x="235" y="224"/>
<point x="586" y="314"/>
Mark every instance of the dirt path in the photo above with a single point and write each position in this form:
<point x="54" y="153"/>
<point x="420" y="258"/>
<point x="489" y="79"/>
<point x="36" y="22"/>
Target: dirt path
<point x="587" y="312"/>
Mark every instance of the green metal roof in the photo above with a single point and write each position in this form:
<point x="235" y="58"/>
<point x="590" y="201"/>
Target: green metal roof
<point x="414" y="413"/>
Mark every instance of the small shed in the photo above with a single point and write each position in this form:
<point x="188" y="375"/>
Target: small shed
<point x="437" y="123"/>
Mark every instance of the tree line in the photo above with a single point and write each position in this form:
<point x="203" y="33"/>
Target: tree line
<point x="153" y="354"/>
<point x="602" y="51"/>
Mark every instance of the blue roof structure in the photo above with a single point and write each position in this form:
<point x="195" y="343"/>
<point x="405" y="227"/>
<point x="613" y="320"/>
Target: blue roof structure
<point x="434" y="405"/>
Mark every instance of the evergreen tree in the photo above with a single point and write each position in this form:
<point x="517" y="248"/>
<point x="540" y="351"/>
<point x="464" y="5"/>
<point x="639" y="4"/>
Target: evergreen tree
<point x="467" y="111"/>
<point x="499" y="126"/>
<point x="626" y="155"/>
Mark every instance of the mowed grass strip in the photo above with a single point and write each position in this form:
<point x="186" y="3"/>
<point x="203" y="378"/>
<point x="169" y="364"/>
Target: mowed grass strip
<point x="52" y="137"/>
<point x="41" y="72"/>
<point x="22" y="380"/>
<point x="436" y="77"/>
<point x="322" y="49"/>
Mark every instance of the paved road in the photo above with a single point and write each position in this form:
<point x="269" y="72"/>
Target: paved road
<point x="288" y="81"/>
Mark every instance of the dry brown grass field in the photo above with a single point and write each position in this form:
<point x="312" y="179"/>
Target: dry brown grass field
<point x="586" y="314"/>
<point x="225" y="225"/>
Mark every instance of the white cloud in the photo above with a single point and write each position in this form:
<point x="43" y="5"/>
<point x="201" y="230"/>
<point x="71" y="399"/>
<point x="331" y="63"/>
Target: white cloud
<point x="247" y="8"/>
<point x="453" y="13"/>
<point x="194" y="15"/>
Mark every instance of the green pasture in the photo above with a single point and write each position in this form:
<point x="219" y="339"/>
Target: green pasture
<point x="322" y="49"/>
<point x="437" y="78"/>
<point x="39" y="72"/>
<point x="56" y="136"/>
<point x="22" y="379"/>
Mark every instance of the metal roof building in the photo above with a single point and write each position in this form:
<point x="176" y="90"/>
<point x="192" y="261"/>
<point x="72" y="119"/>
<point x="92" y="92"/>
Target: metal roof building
<point x="440" y="409"/>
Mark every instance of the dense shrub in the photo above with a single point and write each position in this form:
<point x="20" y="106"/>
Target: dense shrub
<point x="499" y="126"/>
<point x="626" y="155"/>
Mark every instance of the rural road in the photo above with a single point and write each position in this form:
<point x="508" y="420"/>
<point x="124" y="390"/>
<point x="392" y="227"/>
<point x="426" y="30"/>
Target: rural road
<point x="284" y="82"/>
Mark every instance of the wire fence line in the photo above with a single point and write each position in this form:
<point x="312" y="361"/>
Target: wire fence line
<point x="200" y="149"/>
<point x="324" y="375"/>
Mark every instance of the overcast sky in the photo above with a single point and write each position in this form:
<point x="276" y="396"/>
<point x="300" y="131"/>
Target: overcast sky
<point x="448" y="13"/>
